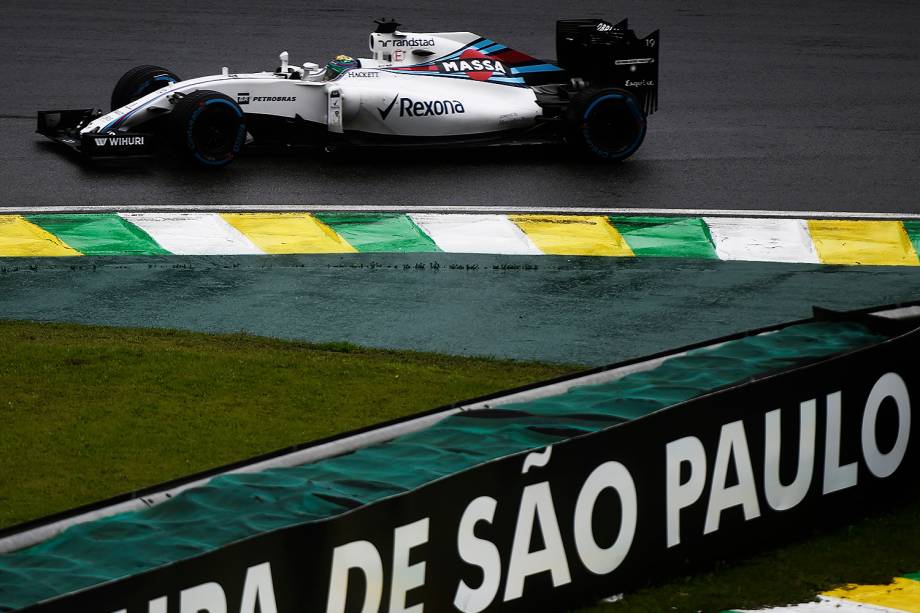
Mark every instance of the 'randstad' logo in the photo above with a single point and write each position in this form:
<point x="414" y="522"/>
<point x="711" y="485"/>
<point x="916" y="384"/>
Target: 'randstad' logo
<point x="407" y="42"/>
<point x="120" y="141"/>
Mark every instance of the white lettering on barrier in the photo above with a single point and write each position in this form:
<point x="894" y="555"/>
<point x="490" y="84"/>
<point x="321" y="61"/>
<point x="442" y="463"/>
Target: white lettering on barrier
<point x="882" y="465"/>
<point x="258" y="587"/>
<point x="536" y="508"/>
<point x="204" y="598"/>
<point x="733" y="446"/>
<point x="784" y="497"/>
<point x="836" y="477"/>
<point x="478" y="552"/>
<point x="597" y="559"/>
<point x="406" y="576"/>
<point x="211" y="598"/>
<point x="158" y="605"/>
<point x="363" y="556"/>
<point x="686" y="472"/>
<point x="679" y="495"/>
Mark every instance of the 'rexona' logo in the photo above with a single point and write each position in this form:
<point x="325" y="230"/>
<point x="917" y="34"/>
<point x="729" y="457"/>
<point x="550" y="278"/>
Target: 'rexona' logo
<point x="422" y="108"/>
<point x="427" y="108"/>
<point x="386" y="111"/>
<point x="477" y="66"/>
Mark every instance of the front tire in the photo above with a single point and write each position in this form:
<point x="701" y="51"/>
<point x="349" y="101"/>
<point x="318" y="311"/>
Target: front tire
<point x="606" y="124"/>
<point x="140" y="81"/>
<point x="207" y="128"/>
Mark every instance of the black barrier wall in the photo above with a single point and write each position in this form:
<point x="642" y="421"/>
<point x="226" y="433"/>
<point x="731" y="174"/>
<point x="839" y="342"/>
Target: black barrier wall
<point x="708" y="479"/>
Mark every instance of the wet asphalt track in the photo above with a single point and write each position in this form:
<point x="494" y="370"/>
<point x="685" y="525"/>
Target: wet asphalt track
<point x="767" y="105"/>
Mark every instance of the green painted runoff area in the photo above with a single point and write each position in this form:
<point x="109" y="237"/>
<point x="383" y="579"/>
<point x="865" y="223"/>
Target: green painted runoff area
<point x="679" y="237"/>
<point x="379" y="232"/>
<point x="236" y="506"/>
<point x="99" y="234"/>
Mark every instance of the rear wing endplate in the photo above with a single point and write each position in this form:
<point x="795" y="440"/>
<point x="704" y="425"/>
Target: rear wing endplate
<point x="609" y="54"/>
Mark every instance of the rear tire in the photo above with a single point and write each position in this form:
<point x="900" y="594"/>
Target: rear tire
<point x="605" y="124"/>
<point x="207" y="128"/>
<point x="140" y="81"/>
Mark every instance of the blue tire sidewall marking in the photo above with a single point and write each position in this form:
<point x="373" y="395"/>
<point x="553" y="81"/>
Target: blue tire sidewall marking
<point x="233" y="106"/>
<point x="635" y="111"/>
<point x="205" y="160"/>
<point x="140" y="90"/>
<point x="189" y="131"/>
<point x="191" y="125"/>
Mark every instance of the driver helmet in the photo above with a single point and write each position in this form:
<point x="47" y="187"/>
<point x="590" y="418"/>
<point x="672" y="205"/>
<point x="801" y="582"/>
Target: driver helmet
<point x="340" y="64"/>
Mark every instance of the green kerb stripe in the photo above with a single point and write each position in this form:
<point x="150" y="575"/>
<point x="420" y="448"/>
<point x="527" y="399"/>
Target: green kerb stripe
<point x="103" y="234"/>
<point x="379" y="233"/>
<point x="677" y="237"/>
<point x="913" y="231"/>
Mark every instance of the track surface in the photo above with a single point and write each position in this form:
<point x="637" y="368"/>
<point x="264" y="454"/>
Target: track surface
<point x="770" y="105"/>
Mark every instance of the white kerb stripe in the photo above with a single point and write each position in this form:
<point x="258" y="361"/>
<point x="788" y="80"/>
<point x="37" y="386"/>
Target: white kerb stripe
<point x="826" y="604"/>
<point x="193" y="233"/>
<point x="475" y="234"/>
<point x="762" y="240"/>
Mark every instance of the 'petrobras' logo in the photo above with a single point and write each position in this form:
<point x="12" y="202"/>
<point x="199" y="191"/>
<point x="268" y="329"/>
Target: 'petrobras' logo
<point x="477" y="66"/>
<point x="242" y="98"/>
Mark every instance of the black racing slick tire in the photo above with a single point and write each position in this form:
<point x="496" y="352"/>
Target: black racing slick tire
<point x="605" y="124"/>
<point x="140" y="81"/>
<point x="207" y="128"/>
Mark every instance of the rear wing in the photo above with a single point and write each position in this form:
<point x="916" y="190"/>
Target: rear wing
<point x="603" y="53"/>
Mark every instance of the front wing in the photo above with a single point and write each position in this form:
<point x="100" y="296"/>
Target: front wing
<point x="63" y="127"/>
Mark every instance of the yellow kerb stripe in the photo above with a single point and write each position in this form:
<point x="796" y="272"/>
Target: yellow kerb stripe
<point x="288" y="233"/>
<point x="572" y="235"/>
<point x="18" y="237"/>
<point x="902" y="594"/>
<point x="883" y="243"/>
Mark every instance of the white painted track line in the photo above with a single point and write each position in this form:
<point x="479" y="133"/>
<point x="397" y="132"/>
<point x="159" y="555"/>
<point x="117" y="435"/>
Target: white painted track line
<point x="410" y="208"/>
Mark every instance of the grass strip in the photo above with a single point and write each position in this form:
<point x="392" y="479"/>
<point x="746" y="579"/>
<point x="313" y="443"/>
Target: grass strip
<point x="90" y="412"/>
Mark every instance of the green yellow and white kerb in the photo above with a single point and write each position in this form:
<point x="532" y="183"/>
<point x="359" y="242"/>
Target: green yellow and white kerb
<point x="902" y="594"/>
<point x="847" y="242"/>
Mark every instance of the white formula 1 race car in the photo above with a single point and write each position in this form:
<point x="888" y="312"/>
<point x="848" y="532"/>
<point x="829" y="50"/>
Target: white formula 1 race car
<point x="417" y="89"/>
